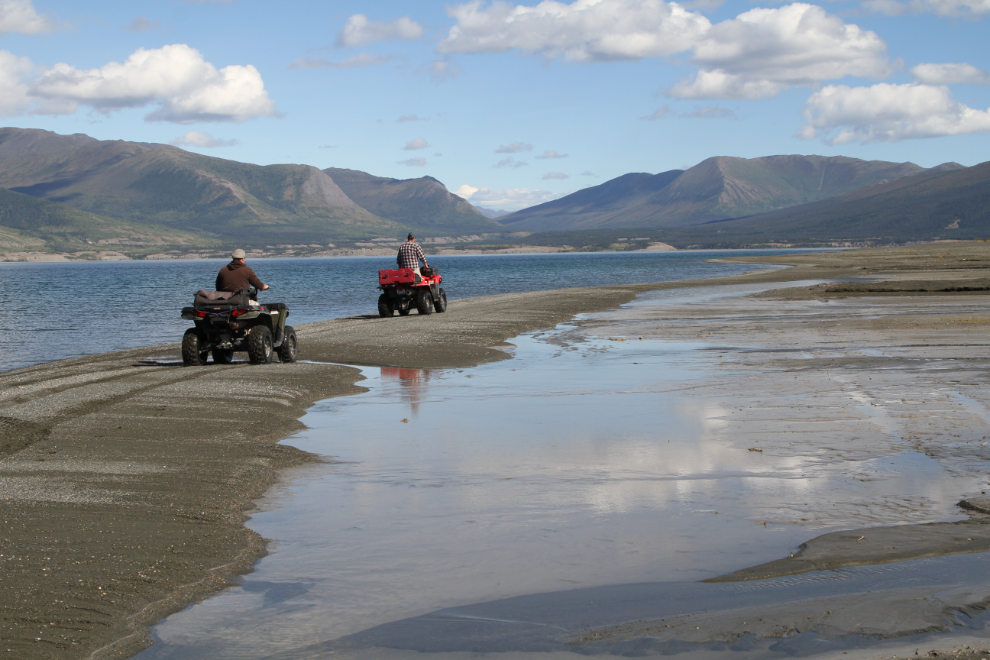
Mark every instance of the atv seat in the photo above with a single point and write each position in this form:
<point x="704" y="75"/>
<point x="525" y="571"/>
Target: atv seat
<point x="239" y="298"/>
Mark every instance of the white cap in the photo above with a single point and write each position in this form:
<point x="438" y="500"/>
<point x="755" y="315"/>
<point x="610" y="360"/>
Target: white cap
<point x="237" y="254"/>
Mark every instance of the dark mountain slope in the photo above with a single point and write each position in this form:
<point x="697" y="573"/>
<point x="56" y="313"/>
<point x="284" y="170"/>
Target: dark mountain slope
<point x="927" y="206"/>
<point x="424" y="203"/>
<point x="717" y="188"/>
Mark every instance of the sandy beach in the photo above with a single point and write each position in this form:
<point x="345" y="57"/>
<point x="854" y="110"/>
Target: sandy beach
<point x="126" y="478"/>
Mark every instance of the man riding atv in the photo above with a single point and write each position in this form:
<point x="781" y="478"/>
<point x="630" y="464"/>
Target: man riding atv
<point x="410" y="254"/>
<point x="237" y="275"/>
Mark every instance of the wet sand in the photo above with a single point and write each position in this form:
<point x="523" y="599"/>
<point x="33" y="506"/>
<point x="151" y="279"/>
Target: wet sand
<point x="126" y="478"/>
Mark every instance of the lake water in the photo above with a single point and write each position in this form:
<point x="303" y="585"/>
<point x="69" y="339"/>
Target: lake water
<point x="60" y="310"/>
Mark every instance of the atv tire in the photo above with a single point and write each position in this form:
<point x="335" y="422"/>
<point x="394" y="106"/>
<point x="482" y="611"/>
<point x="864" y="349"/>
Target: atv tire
<point x="440" y="304"/>
<point x="287" y="351"/>
<point x="424" y="302"/>
<point x="260" y="348"/>
<point x="192" y="356"/>
<point x="223" y="355"/>
<point x="384" y="309"/>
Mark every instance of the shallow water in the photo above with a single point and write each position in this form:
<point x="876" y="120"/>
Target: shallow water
<point x="574" y="465"/>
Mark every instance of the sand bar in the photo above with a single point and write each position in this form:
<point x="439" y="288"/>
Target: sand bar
<point x="125" y="478"/>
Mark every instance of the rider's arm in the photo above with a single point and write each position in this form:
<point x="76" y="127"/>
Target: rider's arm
<point x="256" y="283"/>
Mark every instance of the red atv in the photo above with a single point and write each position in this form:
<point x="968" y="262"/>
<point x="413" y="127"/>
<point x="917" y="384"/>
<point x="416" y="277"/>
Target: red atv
<point x="402" y="289"/>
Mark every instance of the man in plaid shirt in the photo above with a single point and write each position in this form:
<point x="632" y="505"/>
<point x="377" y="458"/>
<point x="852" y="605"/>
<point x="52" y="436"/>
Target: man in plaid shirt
<point x="410" y="254"/>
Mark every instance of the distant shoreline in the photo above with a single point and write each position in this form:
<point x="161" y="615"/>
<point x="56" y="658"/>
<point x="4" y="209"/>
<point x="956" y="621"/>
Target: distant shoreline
<point x="385" y="251"/>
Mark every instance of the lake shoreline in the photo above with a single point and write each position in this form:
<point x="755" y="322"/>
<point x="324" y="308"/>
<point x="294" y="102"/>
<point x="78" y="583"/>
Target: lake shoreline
<point x="127" y="478"/>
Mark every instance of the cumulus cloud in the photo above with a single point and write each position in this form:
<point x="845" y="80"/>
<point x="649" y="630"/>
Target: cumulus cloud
<point x="550" y="153"/>
<point x="418" y="143"/>
<point x="185" y="87"/>
<point x="949" y="74"/>
<point x="514" y="148"/>
<point x="359" y="30"/>
<point x="583" y="31"/>
<point x="885" y="113"/>
<point x="509" y="199"/>
<point x="555" y="175"/>
<point x="710" y="112"/>
<point x="944" y="8"/>
<point x="358" y="61"/>
<point x="763" y="51"/>
<point x="201" y="140"/>
<point x="413" y="162"/>
<point x="142" y="24"/>
<point x="14" y="71"/>
<point x="659" y="113"/>
<point x="20" y="16"/>
<point x="757" y="54"/>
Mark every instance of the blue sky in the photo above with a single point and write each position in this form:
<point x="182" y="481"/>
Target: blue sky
<point x="507" y="104"/>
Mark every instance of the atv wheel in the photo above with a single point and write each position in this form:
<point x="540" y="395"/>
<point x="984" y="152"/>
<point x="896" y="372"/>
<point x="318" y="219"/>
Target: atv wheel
<point x="384" y="309"/>
<point x="260" y="345"/>
<point x="287" y="351"/>
<point x="424" y="302"/>
<point x="223" y="355"/>
<point x="440" y="304"/>
<point x="192" y="356"/>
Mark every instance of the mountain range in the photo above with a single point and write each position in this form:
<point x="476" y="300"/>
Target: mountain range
<point x="715" y="189"/>
<point x="64" y="192"/>
<point x="217" y="199"/>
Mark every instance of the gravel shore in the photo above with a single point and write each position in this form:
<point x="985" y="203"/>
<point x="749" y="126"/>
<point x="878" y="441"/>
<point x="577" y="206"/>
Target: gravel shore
<point x="126" y="478"/>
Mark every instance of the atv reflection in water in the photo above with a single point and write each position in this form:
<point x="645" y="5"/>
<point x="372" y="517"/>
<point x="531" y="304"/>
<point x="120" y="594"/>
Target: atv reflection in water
<point x="228" y="322"/>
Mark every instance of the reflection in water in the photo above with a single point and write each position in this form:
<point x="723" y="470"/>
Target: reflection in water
<point x="576" y="464"/>
<point x="413" y="382"/>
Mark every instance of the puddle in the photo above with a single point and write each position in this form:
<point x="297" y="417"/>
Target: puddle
<point x="578" y="464"/>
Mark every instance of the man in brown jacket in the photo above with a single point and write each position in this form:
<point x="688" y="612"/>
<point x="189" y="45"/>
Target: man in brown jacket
<point x="237" y="275"/>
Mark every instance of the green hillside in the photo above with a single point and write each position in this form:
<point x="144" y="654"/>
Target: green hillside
<point x="27" y="223"/>
<point x="159" y="184"/>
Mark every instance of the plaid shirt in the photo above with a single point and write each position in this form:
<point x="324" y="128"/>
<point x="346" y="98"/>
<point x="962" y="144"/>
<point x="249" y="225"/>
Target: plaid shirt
<point x="409" y="255"/>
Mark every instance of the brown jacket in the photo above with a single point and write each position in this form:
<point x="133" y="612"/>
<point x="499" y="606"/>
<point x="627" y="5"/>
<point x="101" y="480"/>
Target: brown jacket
<point x="237" y="275"/>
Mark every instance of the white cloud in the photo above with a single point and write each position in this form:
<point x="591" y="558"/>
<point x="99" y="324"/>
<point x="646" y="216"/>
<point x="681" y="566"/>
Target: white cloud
<point x="413" y="162"/>
<point x="13" y="88"/>
<point x="509" y="161"/>
<point x="659" y="113"/>
<point x="949" y="74"/>
<point x="885" y="113"/>
<point x="201" y="140"/>
<point x="508" y="199"/>
<point x="185" y="87"/>
<point x="359" y="31"/>
<point x="441" y="69"/>
<point x="757" y="54"/>
<point x="21" y="17"/>
<point x="710" y="112"/>
<point x="142" y="24"/>
<point x="358" y="61"/>
<point x="587" y="173"/>
<point x="763" y="51"/>
<point x="583" y="31"/>
<point x="945" y="8"/>
<point x="551" y="154"/>
<point x="555" y="175"/>
<point x="418" y="143"/>
<point x="514" y="148"/>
